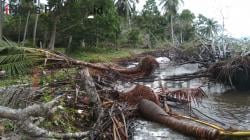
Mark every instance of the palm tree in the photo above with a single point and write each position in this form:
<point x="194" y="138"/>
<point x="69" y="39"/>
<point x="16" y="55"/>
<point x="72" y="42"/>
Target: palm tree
<point x="35" y="26"/>
<point x="125" y="7"/>
<point x="207" y="27"/>
<point x="28" y="6"/>
<point x="54" y="16"/>
<point x="171" y="7"/>
<point x="150" y="8"/>
<point x="212" y="28"/>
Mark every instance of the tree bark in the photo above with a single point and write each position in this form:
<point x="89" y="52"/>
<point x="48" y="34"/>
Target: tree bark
<point x="26" y="28"/>
<point x="1" y="20"/>
<point x="89" y="86"/>
<point x="182" y="124"/>
<point x="24" y="123"/>
<point x="181" y="37"/>
<point x="19" y="29"/>
<point x="53" y="35"/>
<point x="69" y="45"/>
<point x="172" y="29"/>
<point x="35" y="29"/>
<point x="45" y="38"/>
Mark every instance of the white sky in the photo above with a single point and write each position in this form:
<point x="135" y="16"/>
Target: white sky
<point x="236" y="13"/>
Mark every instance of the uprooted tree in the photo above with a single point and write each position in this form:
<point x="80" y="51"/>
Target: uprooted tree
<point x="92" y="90"/>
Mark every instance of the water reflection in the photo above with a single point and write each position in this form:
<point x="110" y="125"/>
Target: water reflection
<point x="231" y="108"/>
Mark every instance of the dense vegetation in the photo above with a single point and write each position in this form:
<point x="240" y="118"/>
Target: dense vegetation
<point x="91" y="25"/>
<point x="110" y="23"/>
<point x="88" y="100"/>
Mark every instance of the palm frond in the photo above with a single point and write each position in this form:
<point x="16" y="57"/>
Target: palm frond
<point x="184" y="96"/>
<point x="16" y="60"/>
<point x="189" y="95"/>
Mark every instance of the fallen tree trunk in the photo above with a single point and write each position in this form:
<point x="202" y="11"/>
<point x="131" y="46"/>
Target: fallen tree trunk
<point x="87" y="84"/>
<point x="25" y="124"/>
<point x="154" y="113"/>
<point x="56" y="60"/>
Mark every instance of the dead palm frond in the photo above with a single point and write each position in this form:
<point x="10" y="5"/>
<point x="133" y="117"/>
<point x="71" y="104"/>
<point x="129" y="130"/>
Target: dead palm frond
<point x="186" y="96"/>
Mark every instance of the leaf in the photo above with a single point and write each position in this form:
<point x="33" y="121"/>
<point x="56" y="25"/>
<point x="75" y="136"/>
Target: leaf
<point x="16" y="60"/>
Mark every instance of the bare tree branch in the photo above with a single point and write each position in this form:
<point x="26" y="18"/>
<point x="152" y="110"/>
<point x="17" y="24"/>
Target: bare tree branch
<point x="24" y="123"/>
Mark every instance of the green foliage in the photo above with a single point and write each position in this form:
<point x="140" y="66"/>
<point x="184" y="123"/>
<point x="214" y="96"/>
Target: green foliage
<point x="116" y="23"/>
<point x="9" y="125"/>
<point x="134" y="37"/>
<point x="207" y="27"/>
<point x="184" y="25"/>
<point x="171" y="6"/>
<point x="150" y="8"/>
<point x="16" y="60"/>
<point x="47" y="96"/>
<point x="125" y="8"/>
<point x="104" y="27"/>
<point x="151" y="24"/>
<point x="187" y="16"/>
<point x="100" y="54"/>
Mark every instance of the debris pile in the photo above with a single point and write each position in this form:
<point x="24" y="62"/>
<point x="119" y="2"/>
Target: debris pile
<point x="234" y="72"/>
<point x="83" y="103"/>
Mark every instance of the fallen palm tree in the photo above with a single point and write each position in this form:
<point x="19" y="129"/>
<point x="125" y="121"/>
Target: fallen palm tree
<point x="112" y="121"/>
<point x="137" y="93"/>
<point x="185" y="124"/>
<point x="18" y="60"/>
<point x="99" y="118"/>
<point x="153" y="112"/>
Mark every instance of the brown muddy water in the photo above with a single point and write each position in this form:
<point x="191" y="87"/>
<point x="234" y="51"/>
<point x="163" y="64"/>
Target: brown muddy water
<point x="230" y="108"/>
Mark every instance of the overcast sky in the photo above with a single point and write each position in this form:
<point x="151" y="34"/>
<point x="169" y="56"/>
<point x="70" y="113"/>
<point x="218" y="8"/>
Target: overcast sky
<point x="236" y="13"/>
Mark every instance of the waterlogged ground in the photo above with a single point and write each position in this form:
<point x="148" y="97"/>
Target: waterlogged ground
<point x="232" y="108"/>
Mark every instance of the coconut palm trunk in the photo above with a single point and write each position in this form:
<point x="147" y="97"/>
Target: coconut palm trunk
<point x="172" y="29"/>
<point x="1" y="20"/>
<point x="53" y="35"/>
<point x="181" y="37"/>
<point x="35" y="26"/>
<point x="26" y="28"/>
<point x="34" y="31"/>
<point x="19" y="29"/>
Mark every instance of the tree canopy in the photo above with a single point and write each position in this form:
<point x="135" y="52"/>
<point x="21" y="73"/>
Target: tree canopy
<point x="92" y="23"/>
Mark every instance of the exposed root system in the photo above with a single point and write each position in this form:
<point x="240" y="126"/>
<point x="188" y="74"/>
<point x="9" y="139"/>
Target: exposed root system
<point x="234" y="72"/>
